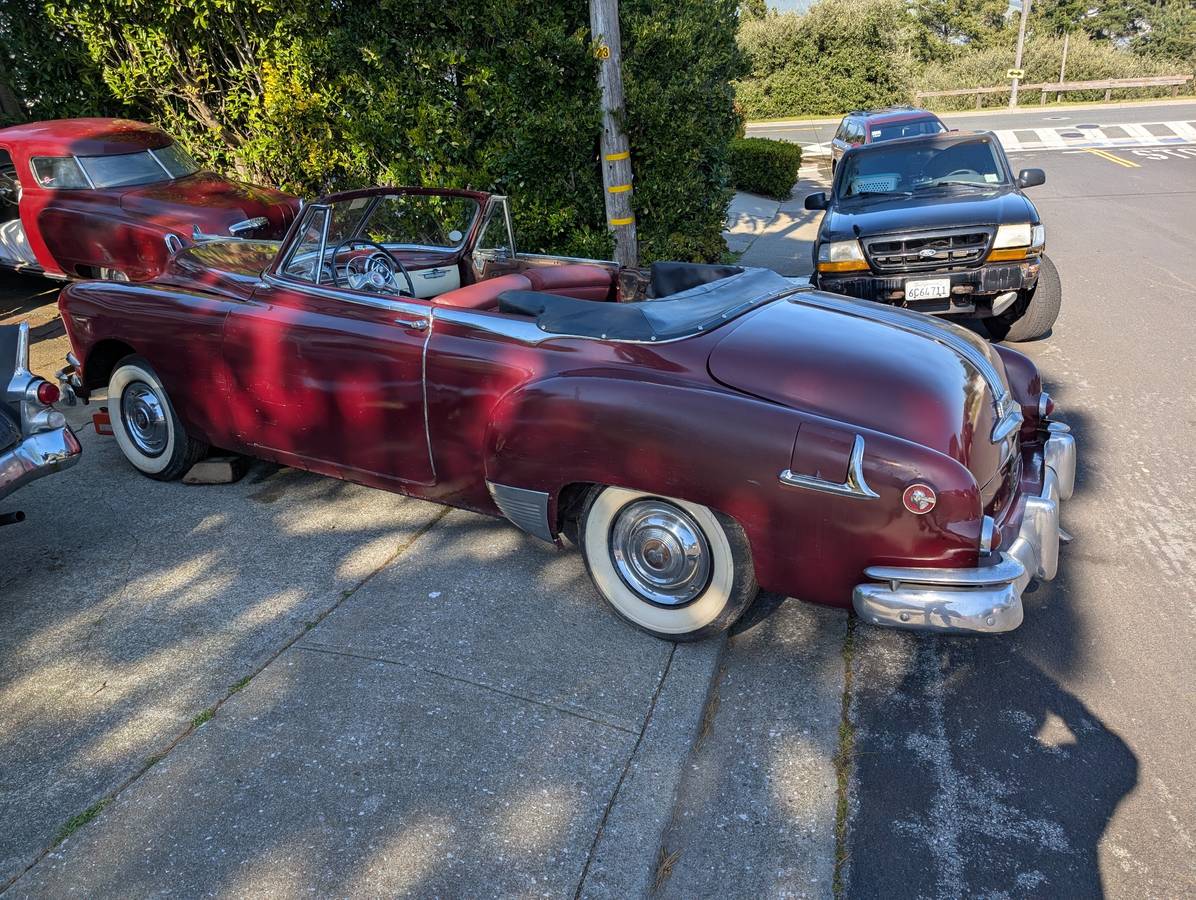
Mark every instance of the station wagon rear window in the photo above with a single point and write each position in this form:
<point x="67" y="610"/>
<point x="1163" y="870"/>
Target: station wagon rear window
<point x="113" y="171"/>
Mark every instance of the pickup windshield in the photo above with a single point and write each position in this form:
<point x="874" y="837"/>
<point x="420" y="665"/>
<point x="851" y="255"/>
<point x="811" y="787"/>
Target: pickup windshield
<point x="909" y="166"/>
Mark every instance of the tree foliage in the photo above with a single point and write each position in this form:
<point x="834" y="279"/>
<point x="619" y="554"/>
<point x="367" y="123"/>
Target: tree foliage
<point x="839" y="55"/>
<point x="493" y="94"/>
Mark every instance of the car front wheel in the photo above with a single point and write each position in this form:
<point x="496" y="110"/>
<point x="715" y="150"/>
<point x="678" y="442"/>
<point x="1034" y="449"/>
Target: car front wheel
<point x="145" y="425"/>
<point x="675" y="569"/>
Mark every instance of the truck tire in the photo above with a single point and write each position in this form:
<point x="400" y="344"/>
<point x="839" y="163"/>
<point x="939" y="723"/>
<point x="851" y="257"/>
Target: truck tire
<point x="1042" y="309"/>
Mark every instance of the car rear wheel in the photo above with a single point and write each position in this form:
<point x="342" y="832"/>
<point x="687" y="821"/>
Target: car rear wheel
<point x="1036" y="316"/>
<point x="146" y="427"/>
<point x="678" y="570"/>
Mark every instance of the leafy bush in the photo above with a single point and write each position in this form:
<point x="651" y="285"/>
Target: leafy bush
<point x="1087" y="60"/>
<point x="492" y="94"/>
<point x="763" y="166"/>
<point x="839" y="55"/>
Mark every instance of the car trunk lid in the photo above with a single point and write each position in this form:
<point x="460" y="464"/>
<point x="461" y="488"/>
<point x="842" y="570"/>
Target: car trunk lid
<point x="875" y="367"/>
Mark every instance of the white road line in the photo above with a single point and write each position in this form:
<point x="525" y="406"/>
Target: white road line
<point x="1050" y="138"/>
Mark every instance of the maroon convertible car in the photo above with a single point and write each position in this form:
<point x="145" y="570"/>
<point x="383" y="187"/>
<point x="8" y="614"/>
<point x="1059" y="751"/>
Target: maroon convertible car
<point x="727" y="432"/>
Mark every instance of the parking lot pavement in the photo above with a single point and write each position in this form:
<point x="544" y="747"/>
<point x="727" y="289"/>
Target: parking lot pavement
<point x="756" y="813"/>
<point x="293" y="681"/>
<point x="779" y="236"/>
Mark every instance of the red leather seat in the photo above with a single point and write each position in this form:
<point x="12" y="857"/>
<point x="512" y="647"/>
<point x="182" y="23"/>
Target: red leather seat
<point x="574" y="280"/>
<point x="483" y="294"/>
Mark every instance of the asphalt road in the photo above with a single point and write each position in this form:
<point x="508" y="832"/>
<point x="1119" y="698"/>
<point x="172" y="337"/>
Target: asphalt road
<point x="1057" y="761"/>
<point x="822" y="130"/>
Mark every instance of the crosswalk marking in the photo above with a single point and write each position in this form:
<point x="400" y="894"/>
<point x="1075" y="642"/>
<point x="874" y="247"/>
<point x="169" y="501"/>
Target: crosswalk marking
<point x="1068" y="137"/>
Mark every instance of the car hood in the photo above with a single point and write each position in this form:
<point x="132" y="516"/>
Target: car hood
<point x="212" y="203"/>
<point x="874" y="367"/>
<point x="936" y="209"/>
<point x="230" y="266"/>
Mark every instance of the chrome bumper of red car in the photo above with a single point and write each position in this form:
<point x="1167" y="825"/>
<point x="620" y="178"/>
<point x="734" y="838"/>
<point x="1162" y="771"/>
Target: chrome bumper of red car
<point x="985" y="599"/>
<point x="36" y="456"/>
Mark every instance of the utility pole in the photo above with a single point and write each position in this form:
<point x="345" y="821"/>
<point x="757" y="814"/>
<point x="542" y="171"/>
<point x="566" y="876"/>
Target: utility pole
<point x="1021" y="40"/>
<point x="616" y="150"/>
<point x="1063" y="63"/>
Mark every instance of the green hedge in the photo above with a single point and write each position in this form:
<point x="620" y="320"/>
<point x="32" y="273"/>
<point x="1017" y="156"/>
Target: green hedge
<point x="763" y="166"/>
<point x="492" y="94"/>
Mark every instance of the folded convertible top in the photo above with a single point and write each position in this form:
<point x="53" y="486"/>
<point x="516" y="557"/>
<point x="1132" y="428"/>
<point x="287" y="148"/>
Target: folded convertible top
<point x="686" y="312"/>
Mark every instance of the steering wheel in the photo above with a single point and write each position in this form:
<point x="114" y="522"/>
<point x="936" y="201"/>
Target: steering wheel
<point x="378" y="270"/>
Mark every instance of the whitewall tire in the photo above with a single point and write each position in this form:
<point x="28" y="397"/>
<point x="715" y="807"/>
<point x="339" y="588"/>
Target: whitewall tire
<point x="145" y="425"/>
<point x="675" y="569"/>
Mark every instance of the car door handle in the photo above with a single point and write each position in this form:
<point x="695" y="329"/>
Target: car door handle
<point x="417" y="324"/>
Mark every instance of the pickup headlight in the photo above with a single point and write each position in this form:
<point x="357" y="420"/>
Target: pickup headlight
<point x="841" y="256"/>
<point x="1014" y="242"/>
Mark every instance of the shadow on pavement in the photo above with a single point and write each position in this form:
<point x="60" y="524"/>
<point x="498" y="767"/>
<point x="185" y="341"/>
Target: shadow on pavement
<point x="977" y="773"/>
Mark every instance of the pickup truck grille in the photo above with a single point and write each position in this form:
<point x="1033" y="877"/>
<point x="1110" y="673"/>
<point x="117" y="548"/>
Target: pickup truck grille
<point x="928" y="250"/>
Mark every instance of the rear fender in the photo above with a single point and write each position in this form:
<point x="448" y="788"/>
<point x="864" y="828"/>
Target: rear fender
<point x="726" y="451"/>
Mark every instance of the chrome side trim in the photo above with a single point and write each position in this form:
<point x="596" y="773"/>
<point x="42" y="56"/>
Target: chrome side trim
<point x="1009" y="423"/>
<point x="526" y="508"/>
<point x="853" y="486"/>
<point x="248" y="224"/>
<point x="343" y="294"/>
<point x="1043" y="399"/>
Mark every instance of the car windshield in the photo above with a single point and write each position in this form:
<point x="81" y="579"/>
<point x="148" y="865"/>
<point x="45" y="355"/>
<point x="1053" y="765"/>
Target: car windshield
<point x="145" y="167"/>
<point x="887" y="131"/>
<point x="908" y="167"/>
<point x="352" y="229"/>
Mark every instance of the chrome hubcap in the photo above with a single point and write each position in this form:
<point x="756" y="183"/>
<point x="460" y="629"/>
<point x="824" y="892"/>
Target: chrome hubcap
<point x="660" y="552"/>
<point x="144" y="418"/>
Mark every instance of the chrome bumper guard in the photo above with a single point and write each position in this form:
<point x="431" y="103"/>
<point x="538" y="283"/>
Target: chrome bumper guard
<point x="38" y="455"/>
<point x="985" y="599"/>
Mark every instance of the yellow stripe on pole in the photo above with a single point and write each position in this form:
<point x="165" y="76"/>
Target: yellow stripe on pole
<point x="626" y="221"/>
<point x="619" y="188"/>
<point x="615" y="157"/>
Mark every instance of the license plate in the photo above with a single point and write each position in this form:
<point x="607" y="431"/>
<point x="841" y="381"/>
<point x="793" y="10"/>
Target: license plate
<point x="930" y="289"/>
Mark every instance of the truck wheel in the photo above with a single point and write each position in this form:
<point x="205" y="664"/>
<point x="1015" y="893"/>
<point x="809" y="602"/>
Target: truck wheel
<point x="145" y="425"/>
<point x="677" y="570"/>
<point x="1040" y="312"/>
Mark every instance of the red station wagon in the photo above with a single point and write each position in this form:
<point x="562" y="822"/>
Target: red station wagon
<point x="876" y="125"/>
<point x="111" y="198"/>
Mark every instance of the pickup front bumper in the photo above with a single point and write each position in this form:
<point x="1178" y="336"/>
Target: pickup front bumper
<point x="984" y="599"/>
<point x="40" y="454"/>
<point x="972" y="290"/>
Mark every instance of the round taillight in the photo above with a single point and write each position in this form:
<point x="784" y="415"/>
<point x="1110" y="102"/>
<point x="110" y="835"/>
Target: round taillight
<point x="48" y="394"/>
<point x="919" y="499"/>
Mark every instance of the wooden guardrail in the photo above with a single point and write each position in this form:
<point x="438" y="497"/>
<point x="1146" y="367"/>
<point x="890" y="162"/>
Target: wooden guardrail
<point x="1108" y="85"/>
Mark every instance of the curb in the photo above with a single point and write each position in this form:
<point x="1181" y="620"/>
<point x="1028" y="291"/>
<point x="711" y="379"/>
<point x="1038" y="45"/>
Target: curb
<point x="625" y="855"/>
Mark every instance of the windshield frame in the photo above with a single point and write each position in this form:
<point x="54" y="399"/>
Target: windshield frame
<point x="939" y="142"/>
<point x="291" y="242"/>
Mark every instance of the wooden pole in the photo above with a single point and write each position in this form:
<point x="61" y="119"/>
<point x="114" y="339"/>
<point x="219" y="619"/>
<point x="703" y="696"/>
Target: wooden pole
<point x="1021" y="40"/>
<point x="616" y="150"/>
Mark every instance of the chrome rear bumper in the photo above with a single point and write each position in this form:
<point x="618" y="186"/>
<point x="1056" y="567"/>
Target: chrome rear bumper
<point x="39" y="454"/>
<point x="985" y="599"/>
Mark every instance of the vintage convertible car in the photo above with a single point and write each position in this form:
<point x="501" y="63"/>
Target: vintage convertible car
<point x="729" y="432"/>
<point x="110" y="198"/>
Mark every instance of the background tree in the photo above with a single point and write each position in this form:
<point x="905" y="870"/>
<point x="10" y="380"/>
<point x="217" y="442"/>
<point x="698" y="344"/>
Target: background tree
<point x="494" y="94"/>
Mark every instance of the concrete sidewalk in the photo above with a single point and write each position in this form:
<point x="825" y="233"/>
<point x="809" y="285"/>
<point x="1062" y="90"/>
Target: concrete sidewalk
<point x="778" y="235"/>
